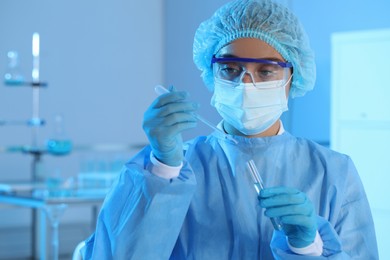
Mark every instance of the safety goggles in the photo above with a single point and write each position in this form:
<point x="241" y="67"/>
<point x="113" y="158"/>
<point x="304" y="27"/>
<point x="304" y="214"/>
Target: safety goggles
<point x="260" y="70"/>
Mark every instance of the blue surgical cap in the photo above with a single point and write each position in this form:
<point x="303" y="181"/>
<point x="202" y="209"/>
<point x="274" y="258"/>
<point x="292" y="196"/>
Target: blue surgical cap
<point x="261" y="19"/>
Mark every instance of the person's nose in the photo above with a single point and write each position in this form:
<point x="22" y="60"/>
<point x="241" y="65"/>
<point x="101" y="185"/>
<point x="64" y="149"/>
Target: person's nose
<point x="247" y="78"/>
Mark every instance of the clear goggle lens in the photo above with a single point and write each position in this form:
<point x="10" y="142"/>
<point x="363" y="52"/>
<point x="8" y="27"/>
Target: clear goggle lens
<point x="259" y="70"/>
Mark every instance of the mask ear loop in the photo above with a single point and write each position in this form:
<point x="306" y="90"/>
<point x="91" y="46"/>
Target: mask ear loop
<point x="285" y="79"/>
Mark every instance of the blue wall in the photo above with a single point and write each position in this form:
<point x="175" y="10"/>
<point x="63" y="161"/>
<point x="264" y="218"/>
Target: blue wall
<point x="308" y="116"/>
<point x="311" y="114"/>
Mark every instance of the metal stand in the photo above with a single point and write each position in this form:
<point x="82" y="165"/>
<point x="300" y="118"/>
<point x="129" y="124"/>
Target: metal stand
<point x="34" y="212"/>
<point x="35" y="122"/>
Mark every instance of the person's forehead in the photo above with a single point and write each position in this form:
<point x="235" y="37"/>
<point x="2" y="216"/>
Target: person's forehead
<point x="250" y="48"/>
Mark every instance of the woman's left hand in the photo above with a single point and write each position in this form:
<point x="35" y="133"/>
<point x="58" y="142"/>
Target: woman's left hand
<point x="294" y="210"/>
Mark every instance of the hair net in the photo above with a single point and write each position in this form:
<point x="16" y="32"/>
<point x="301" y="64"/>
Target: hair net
<point x="261" y="19"/>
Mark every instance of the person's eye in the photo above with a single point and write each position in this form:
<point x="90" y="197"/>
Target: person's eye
<point x="230" y="70"/>
<point x="267" y="72"/>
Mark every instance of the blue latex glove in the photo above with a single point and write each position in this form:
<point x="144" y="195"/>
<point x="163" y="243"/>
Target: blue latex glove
<point x="295" y="211"/>
<point x="168" y="116"/>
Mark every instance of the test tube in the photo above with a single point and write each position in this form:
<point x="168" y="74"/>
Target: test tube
<point x="258" y="183"/>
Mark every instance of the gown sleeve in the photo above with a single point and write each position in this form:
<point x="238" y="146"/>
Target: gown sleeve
<point x="142" y="215"/>
<point x="350" y="234"/>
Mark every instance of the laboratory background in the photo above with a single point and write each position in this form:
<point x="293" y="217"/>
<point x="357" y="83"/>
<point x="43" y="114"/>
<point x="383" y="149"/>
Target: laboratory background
<point x="77" y="76"/>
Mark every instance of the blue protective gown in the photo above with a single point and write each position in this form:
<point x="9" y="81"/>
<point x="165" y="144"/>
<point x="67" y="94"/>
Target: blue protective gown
<point x="211" y="210"/>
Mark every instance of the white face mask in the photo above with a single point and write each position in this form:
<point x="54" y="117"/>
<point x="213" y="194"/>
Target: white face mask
<point x="248" y="108"/>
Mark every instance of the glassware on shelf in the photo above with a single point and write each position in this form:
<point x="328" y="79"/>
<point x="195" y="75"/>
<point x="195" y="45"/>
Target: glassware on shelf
<point x="13" y="75"/>
<point x="59" y="144"/>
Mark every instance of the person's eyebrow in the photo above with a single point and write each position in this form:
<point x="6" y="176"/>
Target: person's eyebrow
<point x="228" y="55"/>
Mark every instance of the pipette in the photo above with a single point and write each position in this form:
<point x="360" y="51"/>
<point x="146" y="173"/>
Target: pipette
<point x="161" y="90"/>
<point x="258" y="182"/>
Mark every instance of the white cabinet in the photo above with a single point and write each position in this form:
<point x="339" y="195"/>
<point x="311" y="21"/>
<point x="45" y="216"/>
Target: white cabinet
<point x="360" y="116"/>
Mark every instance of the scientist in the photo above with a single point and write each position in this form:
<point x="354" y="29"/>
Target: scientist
<point x="201" y="203"/>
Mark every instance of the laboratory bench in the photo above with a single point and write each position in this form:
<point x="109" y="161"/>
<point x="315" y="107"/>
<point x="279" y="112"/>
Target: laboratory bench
<point x="48" y="204"/>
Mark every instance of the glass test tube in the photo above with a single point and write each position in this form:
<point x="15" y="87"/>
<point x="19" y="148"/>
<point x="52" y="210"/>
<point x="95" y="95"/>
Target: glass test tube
<point x="258" y="183"/>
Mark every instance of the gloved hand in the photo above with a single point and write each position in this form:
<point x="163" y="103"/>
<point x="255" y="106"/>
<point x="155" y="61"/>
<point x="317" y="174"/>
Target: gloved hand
<point x="165" y="119"/>
<point x="295" y="211"/>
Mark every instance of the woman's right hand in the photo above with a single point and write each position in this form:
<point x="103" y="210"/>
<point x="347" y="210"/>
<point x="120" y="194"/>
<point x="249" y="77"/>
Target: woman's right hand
<point x="164" y="121"/>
